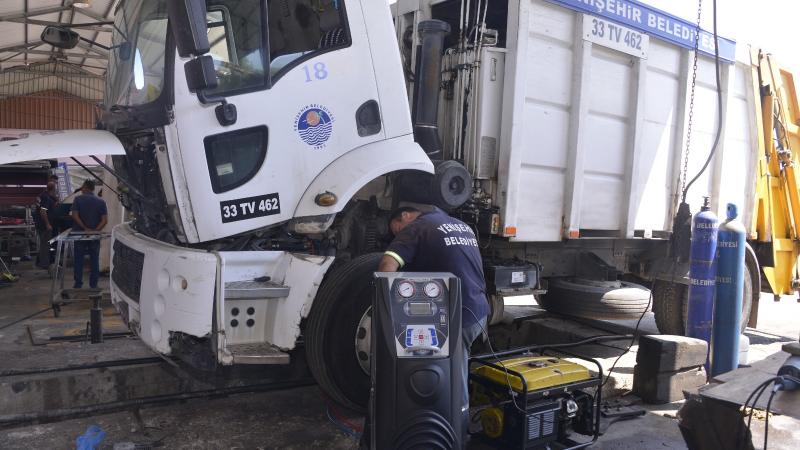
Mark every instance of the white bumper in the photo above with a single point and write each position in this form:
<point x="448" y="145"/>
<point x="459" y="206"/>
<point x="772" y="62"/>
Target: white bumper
<point x="178" y="286"/>
<point x="175" y="291"/>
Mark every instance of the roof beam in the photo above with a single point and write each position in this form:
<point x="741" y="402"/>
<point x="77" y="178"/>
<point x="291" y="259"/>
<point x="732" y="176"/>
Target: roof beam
<point x="89" y="13"/>
<point x="45" y="23"/>
<point x="106" y="15"/>
<point x="7" y="17"/>
<point x="65" y="54"/>
<point x="17" y="47"/>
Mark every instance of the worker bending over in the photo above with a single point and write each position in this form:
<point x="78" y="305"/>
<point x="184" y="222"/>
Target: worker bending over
<point x="436" y="242"/>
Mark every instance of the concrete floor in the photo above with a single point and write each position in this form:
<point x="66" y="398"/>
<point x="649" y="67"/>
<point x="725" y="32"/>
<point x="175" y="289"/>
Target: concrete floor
<point x="297" y="418"/>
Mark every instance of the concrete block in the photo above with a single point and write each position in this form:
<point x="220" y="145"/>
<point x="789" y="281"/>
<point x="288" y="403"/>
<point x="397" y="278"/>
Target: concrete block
<point x="666" y="387"/>
<point x="664" y="353"/>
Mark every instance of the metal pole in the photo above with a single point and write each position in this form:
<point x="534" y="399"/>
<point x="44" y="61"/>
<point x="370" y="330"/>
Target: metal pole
<point x="96" y="319"/>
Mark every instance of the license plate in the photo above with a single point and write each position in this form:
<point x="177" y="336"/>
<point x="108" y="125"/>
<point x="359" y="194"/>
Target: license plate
<point x="250" y="208"/>
<point x="615" y="36"/>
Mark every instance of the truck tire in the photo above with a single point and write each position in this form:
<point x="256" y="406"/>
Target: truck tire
<point x="331" y="331"/>
<point x="671" y="300"/>
<point x="671" y="307"/>
<point x="608" y="300"/>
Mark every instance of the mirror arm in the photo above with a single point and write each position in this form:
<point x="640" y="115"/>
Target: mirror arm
<point x="98" y="44"/>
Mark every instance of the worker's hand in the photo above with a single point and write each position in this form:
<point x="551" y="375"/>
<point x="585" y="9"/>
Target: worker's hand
<point x="49" y="227"/>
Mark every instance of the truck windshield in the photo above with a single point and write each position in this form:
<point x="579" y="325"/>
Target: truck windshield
<point x="136" y="63"/>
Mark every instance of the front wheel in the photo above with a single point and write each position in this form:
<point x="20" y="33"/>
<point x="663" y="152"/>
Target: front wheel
<point x="337" y="332"/>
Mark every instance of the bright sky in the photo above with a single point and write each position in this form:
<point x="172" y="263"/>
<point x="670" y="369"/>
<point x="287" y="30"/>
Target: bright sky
<point x="769" y="24"/>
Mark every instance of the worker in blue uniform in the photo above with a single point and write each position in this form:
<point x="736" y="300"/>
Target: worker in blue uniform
<point x="435" y="242"/>
<point x="89" y="214"/>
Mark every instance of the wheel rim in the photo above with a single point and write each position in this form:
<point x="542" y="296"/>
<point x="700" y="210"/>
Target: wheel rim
<point x="363" y="337"/>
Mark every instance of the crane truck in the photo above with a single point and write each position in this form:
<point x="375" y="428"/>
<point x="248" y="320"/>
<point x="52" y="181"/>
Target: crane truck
<point x="261" y="145"/>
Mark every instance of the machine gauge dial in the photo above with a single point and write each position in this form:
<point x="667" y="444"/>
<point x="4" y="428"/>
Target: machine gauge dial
<point x="405" y="289"/>
<point x="433" y="290"/>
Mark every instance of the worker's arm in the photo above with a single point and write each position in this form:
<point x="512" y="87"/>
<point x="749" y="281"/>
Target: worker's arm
<point x="77" y="219"/>
<point x="45" y="219"/>
<point x="103" y="222"/>
<point x="388" y="264"/>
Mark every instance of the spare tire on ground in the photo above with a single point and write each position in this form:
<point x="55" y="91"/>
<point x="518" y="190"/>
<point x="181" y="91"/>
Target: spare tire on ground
<point x="590" y="299"/>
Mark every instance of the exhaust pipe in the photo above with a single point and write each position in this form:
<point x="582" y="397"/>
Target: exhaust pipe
<point x="451" y="184"/>
<point x="427" y="85"/>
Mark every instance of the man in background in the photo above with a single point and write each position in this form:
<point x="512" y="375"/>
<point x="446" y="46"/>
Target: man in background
<point x="47" y="202"/>
<point x="89" y="214"/>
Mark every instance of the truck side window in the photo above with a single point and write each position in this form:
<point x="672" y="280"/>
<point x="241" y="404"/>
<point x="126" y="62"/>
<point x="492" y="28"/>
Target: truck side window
<point x="235" y="157"/>
<point x="302" y="29"/>
<point x="236" y="35"/>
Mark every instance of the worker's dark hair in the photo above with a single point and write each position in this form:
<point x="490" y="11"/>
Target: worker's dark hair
<point x="399" y="212"/>
<point x="88" y="184"/>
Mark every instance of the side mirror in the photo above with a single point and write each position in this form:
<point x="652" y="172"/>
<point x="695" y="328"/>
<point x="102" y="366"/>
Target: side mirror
<point x="200" y="74"/>
<point x="61" y="37"/>
<point x="125" y="50"/>
<point x="189" y="26"/>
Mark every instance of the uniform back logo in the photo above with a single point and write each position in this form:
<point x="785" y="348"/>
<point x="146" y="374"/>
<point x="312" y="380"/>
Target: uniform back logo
<point x="314" y="125"/>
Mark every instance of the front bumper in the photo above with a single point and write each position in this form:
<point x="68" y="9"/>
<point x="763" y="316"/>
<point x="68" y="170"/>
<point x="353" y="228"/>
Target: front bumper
<point x="160" y="288"/>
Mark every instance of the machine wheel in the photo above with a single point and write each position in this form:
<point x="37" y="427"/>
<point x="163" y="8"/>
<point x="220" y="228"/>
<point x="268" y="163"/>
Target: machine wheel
<point x="335" y="328"/>
<point x="671" y="300"/>
<point x="590" y="299"/>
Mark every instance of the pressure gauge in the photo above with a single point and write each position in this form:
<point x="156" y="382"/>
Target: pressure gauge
<point x="405" y="289"/>
<point x="433" y="290"/>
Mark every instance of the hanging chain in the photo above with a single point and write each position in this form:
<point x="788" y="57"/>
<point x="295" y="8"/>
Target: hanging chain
<point x="691" y="101"/>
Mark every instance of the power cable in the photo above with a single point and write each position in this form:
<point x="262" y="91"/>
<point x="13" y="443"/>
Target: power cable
<point x="775" y="389"/>
<point x="633" y="339"/>
<point x="25" y="318"/>
<point x="721" y="113"/>
<point x="761" y="387"/>
<point x="511" y="392"/>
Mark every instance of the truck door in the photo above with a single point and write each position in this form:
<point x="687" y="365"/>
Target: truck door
<point x="297" y="72"/>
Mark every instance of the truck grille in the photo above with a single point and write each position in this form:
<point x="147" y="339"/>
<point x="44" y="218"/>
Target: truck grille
<point x="127" y="273"/>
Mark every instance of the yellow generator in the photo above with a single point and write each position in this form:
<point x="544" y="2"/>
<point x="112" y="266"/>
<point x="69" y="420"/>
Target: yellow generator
<point x="526" y="401"/>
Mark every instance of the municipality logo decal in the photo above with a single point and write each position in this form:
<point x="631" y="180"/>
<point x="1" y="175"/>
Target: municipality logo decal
<point x="314" y="125"/>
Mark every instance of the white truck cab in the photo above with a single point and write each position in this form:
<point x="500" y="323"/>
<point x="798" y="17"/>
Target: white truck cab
<point x="236" y="178"/>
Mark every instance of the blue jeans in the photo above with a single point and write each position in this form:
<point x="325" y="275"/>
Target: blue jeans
<point x="83" y="248"/>
<point x="468" y="336"/>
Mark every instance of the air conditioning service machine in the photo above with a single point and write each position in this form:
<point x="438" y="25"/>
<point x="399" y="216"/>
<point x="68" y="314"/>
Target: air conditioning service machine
<point x="416" y="352"/>
<point x="524" y="398"/>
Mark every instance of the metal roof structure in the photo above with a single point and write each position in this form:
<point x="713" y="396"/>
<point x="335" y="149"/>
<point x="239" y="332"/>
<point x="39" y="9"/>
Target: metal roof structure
<point x="22" y="23"/>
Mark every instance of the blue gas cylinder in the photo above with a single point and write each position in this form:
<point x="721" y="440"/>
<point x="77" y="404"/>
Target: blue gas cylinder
<point x="702" y="273"/>
<point x="728" y="301"/>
